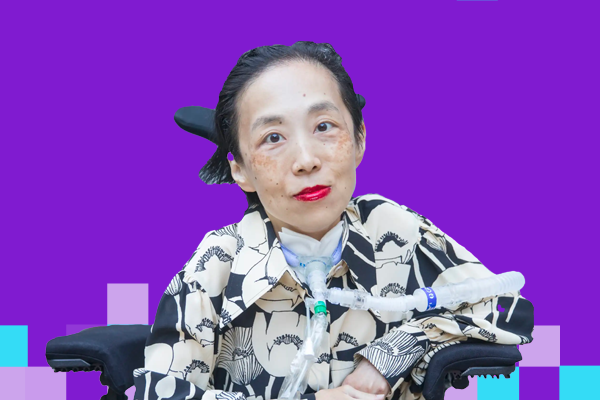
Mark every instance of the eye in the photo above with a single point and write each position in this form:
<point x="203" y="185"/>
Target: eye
<point x="324" y="125"/>
<point x="275" y="137"/>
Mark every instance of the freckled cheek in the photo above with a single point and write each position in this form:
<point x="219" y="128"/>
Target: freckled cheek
<point x="343" y="147"/>
<point x="342" y="159"/>
<point x="264" y="166"/>
<point x="266" y="175"/>
<point x="342" y="153"/>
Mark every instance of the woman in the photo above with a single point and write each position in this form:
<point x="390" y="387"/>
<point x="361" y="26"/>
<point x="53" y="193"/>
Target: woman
<point x="233" y="318"/>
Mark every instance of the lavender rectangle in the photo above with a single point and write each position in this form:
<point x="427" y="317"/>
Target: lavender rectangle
<point x="12" y="382"/>
<point x="32" y="383"/>
<point x="127" y="303"/>
<point x="544" y="351"/>
<point x="44" y="383"/>
<point x="469" y="393"/>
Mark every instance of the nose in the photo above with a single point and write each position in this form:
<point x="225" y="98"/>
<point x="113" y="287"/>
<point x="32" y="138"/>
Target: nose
<point x="306" y="160"/>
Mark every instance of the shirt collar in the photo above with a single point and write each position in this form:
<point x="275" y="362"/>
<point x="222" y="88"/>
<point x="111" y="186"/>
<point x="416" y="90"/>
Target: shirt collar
<point x="260" y="262"/>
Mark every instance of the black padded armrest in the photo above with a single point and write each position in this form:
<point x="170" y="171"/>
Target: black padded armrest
<point x="116" y="350"/>
<point x="467" y="359"/>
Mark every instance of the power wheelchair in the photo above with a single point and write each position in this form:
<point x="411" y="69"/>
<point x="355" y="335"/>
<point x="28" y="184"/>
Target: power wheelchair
<point x="117" y="350"/>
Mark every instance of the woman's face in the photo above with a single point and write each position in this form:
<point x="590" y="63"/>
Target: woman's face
<point x="294" y="133"/>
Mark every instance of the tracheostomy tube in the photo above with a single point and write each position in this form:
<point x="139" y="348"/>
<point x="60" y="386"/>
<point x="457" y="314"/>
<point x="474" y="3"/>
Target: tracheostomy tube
<point x="296" y="381"/>
<point x="313" y="270"/>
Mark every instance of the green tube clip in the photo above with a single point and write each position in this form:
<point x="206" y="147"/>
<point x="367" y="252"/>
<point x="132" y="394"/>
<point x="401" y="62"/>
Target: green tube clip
<point x="320" y="307"/>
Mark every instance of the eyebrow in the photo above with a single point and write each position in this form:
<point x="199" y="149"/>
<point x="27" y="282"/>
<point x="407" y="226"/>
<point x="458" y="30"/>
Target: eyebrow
<point x="317" y="107"/>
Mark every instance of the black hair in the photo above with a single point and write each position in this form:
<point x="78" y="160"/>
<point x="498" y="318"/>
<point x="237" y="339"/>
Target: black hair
<point x="248" y="68"/>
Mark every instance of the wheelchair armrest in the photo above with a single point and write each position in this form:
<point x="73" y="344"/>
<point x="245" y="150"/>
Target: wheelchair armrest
<point x="452" y="366"/>
<point x="116" y="350"/>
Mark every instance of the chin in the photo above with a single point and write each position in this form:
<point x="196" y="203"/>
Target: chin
<point x="320" y="218"/>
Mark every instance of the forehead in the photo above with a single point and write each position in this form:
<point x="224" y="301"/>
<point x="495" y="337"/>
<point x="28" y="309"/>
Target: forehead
<point x="288" y="90"/>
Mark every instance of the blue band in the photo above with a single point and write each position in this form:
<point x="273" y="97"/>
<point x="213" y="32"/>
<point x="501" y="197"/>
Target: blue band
<point x="431" y="297"/>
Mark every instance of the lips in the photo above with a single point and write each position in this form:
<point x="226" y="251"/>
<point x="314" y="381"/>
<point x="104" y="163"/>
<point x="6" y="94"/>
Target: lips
<point x="313" y="193"/>
<point x="311" y="189"/>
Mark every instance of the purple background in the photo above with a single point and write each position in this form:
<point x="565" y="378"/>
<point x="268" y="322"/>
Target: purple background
<point x="482" y="116"/>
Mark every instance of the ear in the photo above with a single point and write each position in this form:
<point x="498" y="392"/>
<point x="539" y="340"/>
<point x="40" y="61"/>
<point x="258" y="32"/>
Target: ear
<point x="239" y="174"/>
<point x="362" y="146"/>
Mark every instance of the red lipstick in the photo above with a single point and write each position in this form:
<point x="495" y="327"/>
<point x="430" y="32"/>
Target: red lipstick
<point x="313" y="193"/>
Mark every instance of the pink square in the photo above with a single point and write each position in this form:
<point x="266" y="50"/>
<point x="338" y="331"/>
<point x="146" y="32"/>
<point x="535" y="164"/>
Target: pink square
<point x="544" y="351"/>
<point x="470" y="393"/>
<point x="44" y="383"/>
<point x="127" y="303"/>
<point x="12" y="382"/>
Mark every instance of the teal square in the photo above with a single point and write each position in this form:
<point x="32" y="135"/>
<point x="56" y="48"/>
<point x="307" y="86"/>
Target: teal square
<point x="13" y="346"/>
<point x="498" y="388"/>
<point x="578" y="382"/>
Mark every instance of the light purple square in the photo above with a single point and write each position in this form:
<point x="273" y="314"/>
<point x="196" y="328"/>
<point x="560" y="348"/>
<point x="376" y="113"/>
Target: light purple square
<point x="44" y="383"/>
<point x="469" y="393"/>
<point x="12" y="382"/>
<point x="127" y="303"/>
<point x="544" y="351"/>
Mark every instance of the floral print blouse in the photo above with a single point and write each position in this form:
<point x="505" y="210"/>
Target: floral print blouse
<point x="230" y="322"/>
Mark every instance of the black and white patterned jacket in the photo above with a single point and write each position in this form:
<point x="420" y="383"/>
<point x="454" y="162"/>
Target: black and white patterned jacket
<point x="230" y="322"/>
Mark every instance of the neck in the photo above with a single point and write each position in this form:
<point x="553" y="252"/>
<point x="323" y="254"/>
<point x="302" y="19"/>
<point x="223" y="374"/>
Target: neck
<point x="318" y="235"/>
